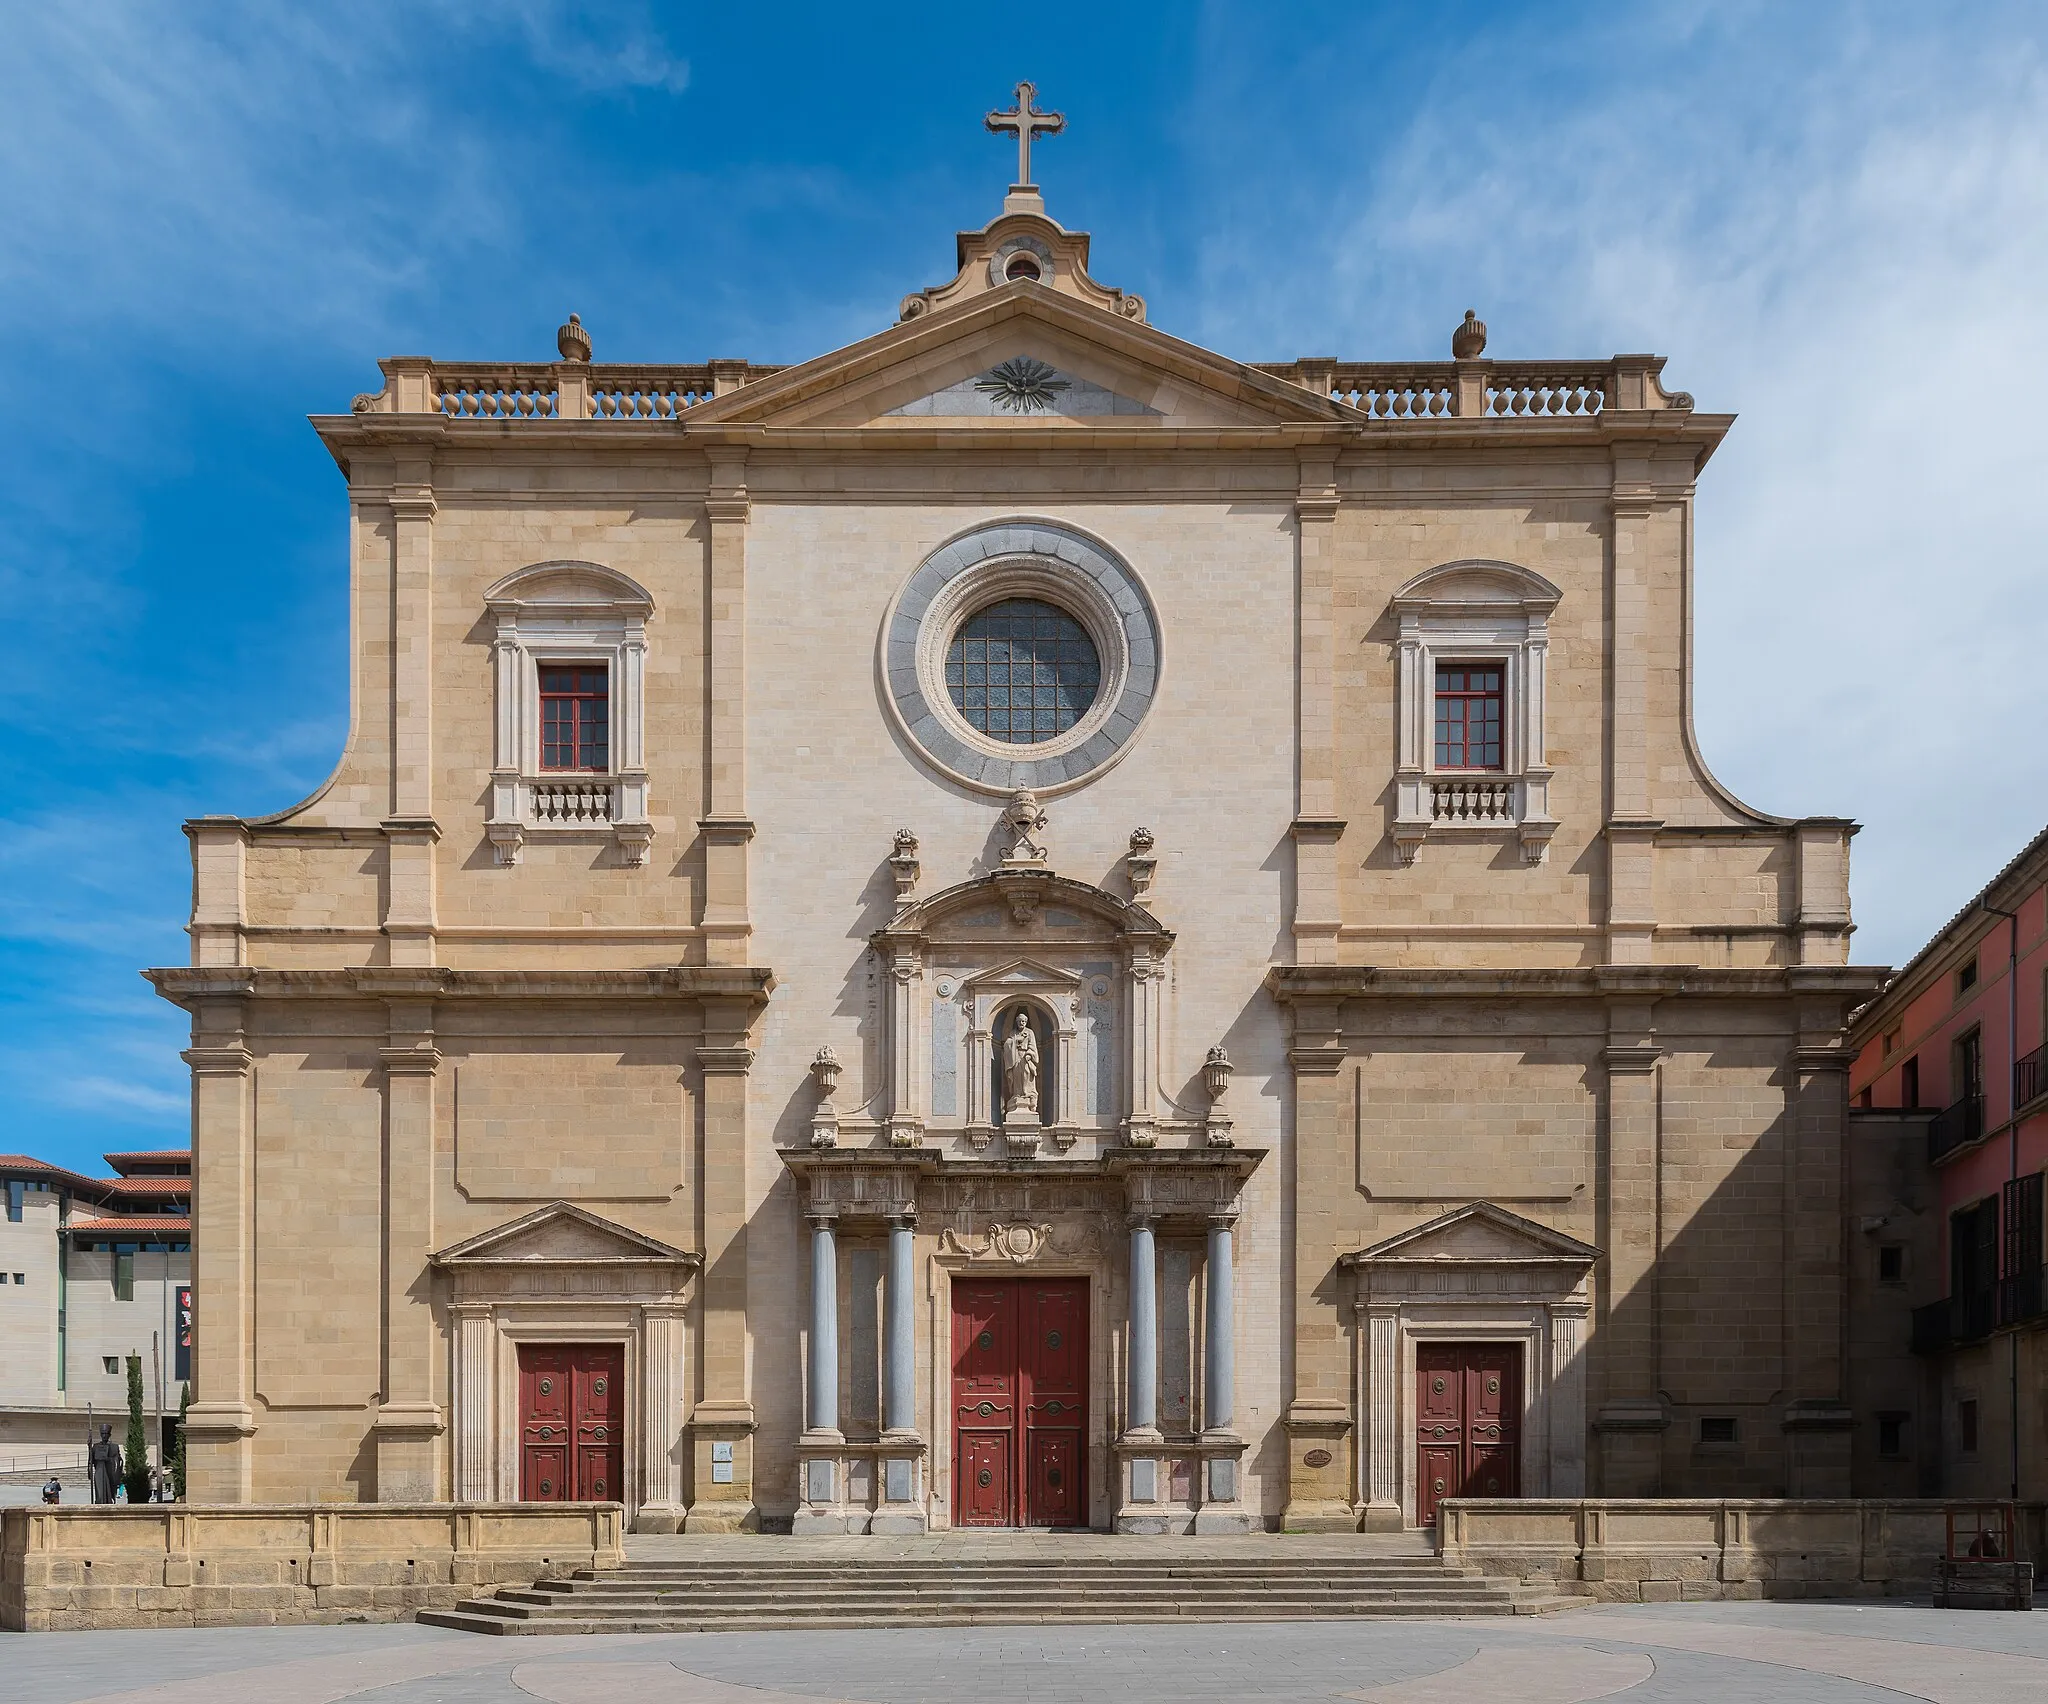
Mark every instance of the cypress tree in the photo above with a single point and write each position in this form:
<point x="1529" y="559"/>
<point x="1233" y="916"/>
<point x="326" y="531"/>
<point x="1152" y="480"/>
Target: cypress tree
<point x="135" y="1458"/>
<point x="178" y="1449"/>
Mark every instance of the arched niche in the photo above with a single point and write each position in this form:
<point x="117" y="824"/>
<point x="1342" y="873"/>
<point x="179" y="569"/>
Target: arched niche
<point x="1089" y="966"/>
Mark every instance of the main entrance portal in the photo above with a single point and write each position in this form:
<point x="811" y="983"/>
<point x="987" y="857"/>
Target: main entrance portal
<point x="1468" y="1423"/>
<point x="572" y="1404"/>
<point x="1020" y="1402"/>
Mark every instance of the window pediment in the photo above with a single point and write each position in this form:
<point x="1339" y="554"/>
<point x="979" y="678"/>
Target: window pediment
<point x="1478" y="588"/>
<point x="568" y="588"/>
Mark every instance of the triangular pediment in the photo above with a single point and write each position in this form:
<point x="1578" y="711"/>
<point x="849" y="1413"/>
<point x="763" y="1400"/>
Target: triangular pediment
<point x="1482" y="1234"/>
<point x="1022" y="973"/>
<point x="560" y="1234"/>
<point x="1118" y="373"/>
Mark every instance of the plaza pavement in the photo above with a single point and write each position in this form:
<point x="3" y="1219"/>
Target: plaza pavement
<point x="1751" y="1653"/>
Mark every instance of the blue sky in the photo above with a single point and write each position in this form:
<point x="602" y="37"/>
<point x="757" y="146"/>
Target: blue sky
<point x="213" y="220"/>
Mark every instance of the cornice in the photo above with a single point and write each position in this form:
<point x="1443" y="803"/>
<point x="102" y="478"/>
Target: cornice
<point x="1294" y="982"/>
<point x="184" y="985"/>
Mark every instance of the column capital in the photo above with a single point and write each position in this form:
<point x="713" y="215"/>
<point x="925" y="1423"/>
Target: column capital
<point x="821" y="1217"/>
<point x="901" y="1218"/>
<point x="219" y="1061"/>
<point x="1223" y="1220"/>
<point x="1138" y="1221"/>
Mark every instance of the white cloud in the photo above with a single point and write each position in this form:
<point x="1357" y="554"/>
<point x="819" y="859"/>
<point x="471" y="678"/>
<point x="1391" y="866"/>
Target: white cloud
<point x="1838" y="229"/>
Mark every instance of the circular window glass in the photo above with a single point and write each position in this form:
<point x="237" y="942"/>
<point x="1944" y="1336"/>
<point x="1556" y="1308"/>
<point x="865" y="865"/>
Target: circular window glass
<point x="1022" y="671"/>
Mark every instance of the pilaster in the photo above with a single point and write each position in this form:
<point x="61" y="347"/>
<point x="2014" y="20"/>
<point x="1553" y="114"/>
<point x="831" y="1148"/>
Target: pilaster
<point x="1631" y="1418"/>
<point x="220" y="907"/>
<point x="662" y="1508"/>
<point x="725" y="827"/>
<point x="1630" y="830"/>
<point x="472" y="1399"/>
<point x="722" y="1424"/>
<point x="1817" y="1421"/>
<point x="1318" y="1418"/>
<point x="1317" y="911"/>
<point x="220" y="1427"/>
<point x="409" y="1422"/>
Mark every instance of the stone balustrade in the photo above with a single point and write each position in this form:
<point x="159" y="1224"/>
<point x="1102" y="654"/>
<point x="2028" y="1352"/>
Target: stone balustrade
<point x="1669" y="1550"/>
<point x="240" y="1565"/>
<point x="1487" y="390"/>
<point x="551" y="390"/>
<point x="1473" y="804"/>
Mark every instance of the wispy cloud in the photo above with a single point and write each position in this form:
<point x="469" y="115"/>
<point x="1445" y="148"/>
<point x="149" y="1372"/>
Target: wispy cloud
<point x="1835" y="222"/>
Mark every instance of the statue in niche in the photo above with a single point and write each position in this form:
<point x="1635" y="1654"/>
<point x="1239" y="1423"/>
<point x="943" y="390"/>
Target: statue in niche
<point x="1020" y="1072"/>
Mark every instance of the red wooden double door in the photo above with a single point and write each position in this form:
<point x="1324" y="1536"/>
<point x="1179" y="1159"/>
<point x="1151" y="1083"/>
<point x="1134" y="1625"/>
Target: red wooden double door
<point x="572" y="1435"/>
<point x="1020" y="1402"/>
<point x="1468" y="1423"/>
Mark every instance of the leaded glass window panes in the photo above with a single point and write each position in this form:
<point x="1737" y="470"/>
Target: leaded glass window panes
<point x="1468" y="715"/>
<point x="1022" y="671"/>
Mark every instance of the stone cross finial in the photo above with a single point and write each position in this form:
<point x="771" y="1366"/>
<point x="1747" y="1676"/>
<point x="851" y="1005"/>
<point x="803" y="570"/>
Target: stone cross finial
<point x="1024" y="120"/>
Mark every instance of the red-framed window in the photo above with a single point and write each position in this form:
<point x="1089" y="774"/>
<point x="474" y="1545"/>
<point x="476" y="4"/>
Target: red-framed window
<point x="575" y="717"/>
<point x="1469" y="715"/>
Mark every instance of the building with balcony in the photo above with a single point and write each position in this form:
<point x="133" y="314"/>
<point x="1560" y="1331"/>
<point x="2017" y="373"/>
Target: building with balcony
<point x="1949" y="1070"/>
<point x="92" y="1270"/>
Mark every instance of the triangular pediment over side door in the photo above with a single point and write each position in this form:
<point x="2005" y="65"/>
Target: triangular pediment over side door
<point x="1021" y="356"/>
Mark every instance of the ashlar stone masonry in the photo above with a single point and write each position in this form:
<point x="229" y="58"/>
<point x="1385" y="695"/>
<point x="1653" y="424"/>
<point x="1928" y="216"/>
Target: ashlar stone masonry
<point x="1438" y="1077"/>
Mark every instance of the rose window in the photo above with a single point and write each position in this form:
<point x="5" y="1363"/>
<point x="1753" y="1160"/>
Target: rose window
<point x="1022" y="671"/>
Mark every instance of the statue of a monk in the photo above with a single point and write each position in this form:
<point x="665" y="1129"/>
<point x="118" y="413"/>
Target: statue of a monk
<point x="103" y="1464"/>
<point x="1020" y="1071"/>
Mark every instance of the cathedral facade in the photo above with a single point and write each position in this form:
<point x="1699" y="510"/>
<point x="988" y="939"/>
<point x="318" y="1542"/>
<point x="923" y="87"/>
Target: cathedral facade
<point x="1020" y="924"/>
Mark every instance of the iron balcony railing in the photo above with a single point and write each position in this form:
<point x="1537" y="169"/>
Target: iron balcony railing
<point x="2030" y="1077"/>
<point x="1977" y="1314"/>
<point x="1955" y="1126"/>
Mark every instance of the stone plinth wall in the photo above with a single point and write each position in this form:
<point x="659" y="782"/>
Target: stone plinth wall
<point x="244" y="1565"/>
<point x="1682" y="1549"/>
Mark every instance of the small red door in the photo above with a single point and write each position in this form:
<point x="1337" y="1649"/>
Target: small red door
<point x="572" y="1403"/>
<point x="1020" y="1400"/>
<point x="1468" y="1423"/>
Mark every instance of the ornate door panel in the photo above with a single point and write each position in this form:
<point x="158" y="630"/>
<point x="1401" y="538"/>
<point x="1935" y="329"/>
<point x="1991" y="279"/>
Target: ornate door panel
<point x="1054" y="1322"/>
<point x="572" y="1403"/>
<point x="1468" y="1417"/>
<point x="1020" y="1400"/>
<point x="985" y="1402"/>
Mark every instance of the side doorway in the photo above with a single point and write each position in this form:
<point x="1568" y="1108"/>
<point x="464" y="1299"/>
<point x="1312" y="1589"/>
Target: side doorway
<point x="572" y="1405"/>
<point x="1468" y="1423"/>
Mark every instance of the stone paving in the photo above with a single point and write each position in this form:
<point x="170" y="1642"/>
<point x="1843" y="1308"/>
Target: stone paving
<point x="1752" y="1653"/>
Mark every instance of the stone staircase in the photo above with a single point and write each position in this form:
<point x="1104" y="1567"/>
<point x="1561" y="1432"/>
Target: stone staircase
<point x="711" y="1585"/>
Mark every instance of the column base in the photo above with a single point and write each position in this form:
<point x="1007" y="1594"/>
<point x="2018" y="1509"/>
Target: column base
<point x="901" y="1509"/>
<point x="406" y="1437"/>
<point x="722" y="1454"/>
<point x="1222" y="1507"/>
<point x="1319" y="1469"/>
<point x="1148" y="1504"/>
<point x="1631" y="1434"/>
<point x="220" y="1453"/>
<point x="660" y="1517"/>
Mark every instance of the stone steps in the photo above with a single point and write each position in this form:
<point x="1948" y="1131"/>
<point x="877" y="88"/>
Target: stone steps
<point x="675" y="1596"/>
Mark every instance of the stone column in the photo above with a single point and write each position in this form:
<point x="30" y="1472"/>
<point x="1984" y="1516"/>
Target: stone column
<point x="661" y="1415"/>
<point x="1219" y="1348"/>
<point x="901" y="1508"/>
<point x="475" y="1443"/>
<point x="1381" y="1416"/>
<point x="1142" y="1414"/>
<point x="899" y="1328"/>
<point x="1222" y="1449"/>
<point x="821" y="1415"/>
<point x="1567" y="1402"/>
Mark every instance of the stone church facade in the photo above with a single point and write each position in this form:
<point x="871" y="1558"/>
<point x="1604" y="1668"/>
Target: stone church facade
<point x="599" y="1083"/>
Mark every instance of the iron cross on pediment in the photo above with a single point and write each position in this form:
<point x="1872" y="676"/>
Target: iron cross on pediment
<point x="1025" y="120"/>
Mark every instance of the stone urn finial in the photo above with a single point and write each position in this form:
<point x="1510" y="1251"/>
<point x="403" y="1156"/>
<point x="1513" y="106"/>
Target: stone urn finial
<point x="903" y="865"/>
<point x="825" y="1069"/>
<point x="573" y="341"/>
<point x="1216" y="1070"/>
<point x="1468" y="342"/>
